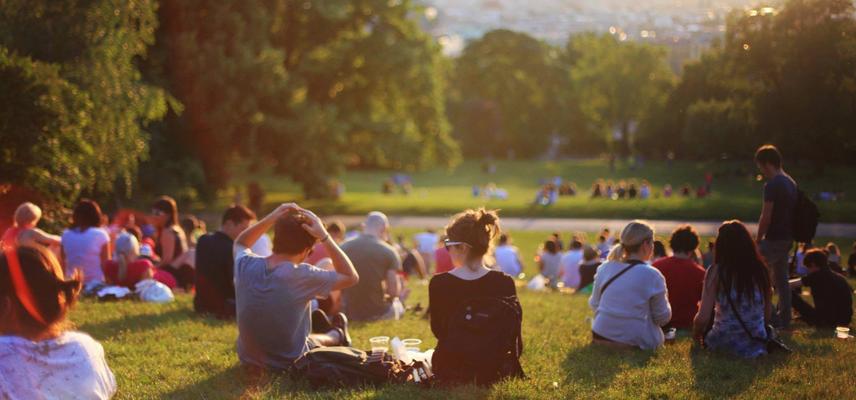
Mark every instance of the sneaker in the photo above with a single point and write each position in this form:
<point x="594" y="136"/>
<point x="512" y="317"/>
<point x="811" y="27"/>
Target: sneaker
<point x="340" y="321"/>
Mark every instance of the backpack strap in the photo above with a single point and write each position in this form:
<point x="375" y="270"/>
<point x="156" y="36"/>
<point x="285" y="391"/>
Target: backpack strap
<point x="606" y="285"/>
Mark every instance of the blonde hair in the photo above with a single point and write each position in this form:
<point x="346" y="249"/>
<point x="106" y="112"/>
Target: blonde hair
<point x="27" y="213"/>
<point x="632" y="237"/>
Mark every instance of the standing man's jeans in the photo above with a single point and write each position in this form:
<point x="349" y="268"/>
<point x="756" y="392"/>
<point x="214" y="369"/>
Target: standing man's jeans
<point x="776" y="254"/>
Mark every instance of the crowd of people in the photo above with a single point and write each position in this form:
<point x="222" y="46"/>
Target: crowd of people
<point x="299" y="291"/>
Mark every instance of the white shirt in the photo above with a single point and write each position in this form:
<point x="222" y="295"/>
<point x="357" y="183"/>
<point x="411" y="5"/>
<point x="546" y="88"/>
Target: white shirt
<point x="71" y="366"/>
<point x="634" y="306"/>
<point x="263" y="247"/>
<point x="571" y="268"/>
<point x="506" y="259"/>
<point x="425" y="242"/>
<point x="83" y="251"/>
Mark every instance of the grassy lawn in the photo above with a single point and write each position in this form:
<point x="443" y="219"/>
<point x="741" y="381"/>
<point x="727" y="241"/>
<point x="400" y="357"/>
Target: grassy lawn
<point x="165" y="351"/>
<point x="441" y="192"/>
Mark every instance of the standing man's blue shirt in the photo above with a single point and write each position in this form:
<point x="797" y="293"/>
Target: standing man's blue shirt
<point x="781" y="190"/>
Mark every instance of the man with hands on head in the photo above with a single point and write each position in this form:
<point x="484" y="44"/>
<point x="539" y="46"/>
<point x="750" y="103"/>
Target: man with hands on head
<point x="273" y="294"/>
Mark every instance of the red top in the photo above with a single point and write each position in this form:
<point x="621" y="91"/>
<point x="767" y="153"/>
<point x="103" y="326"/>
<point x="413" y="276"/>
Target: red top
<point x="10" y="237"/>
<point x="134" y="274"/>
<point x="443" y="260"/>
<point x="684" y="281"/>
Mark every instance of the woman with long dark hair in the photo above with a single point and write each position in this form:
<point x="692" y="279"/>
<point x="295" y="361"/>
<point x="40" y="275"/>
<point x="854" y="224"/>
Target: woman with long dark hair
<point x="737" y="287"/>
<point x="171" y="241"/>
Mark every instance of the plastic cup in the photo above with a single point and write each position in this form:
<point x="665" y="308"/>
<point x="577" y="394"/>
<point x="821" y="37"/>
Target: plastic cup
<point x="842" y="332"/>
<point x="380" y="344"/>
<point x="412" y="345"/>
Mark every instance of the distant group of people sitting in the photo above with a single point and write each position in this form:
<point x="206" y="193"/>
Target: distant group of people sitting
<point x="621" y="190"/>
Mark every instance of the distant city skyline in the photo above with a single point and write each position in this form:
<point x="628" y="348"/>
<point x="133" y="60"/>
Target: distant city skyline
<point x="687" y="27"/>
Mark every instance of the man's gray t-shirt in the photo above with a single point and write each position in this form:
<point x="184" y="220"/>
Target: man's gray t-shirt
<point x="273" y="308"/>
<point x="372" y="259"/>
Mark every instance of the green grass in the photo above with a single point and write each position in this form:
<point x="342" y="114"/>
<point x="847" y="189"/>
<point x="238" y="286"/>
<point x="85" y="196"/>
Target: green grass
<point x="443" y="192"/>
<point x="166" y="351"/>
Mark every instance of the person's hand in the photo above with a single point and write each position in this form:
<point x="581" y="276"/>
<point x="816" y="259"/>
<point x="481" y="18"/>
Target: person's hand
<point x="314" y="226"/>
<point x="284" y="208"/>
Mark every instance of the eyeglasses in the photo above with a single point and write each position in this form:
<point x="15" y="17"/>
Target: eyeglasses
<point x="449" y="244"/>
<point x="157" y="213"/>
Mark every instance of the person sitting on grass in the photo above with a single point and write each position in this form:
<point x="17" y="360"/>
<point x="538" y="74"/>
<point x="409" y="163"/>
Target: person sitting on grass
<point x="469" y="234"/>
<point x="507" y="257"/>
<point x="215" y="287"/>
<point x="833" y="302"/>
<point x="171" y="242"/>
<point x="85" y="245"/>
<point x="378" y="264"/>
<point x="273" y="294"/>
<point x="570" y="264"/>
<point x="588" y="268"/>
<point x="684" y="277"/>
<point x="550" y="263"/>
<point x="629" y="296"/>
<point x="737" y="288"/>
<point x="851" y="262"/>
<point x="39" y="357"/>
<point x="127" y="268"/>
<point x="24" y="232"/>
<point x="834" y="256"/>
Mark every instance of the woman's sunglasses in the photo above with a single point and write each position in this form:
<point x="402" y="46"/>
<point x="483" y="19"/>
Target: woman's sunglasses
<point x="449" y="244"/>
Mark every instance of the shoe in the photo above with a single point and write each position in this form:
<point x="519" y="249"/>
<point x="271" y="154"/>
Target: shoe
<point x="340" y="321"/>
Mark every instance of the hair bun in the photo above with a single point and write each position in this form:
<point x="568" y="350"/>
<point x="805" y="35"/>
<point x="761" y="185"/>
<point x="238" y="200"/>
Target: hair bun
<point x="487" y="218"/>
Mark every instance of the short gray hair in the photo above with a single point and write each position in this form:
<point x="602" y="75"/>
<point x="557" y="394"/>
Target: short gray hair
<point x="376" y="220"/>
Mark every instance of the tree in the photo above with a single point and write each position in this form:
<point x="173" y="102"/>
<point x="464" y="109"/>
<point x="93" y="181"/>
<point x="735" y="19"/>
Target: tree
<point x="307" y="87"/>
<point x="77" y="61"/>
<point x="620" y="82"/>
<point x="507" y="95"/>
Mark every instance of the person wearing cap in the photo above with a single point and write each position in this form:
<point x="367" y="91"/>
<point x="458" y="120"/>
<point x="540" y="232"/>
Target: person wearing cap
<point x="39" y="357"/>
<point x="379" y="265"/>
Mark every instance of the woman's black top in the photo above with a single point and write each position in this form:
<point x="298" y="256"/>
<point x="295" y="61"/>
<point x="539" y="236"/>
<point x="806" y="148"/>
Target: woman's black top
<point x="446" y="291"/>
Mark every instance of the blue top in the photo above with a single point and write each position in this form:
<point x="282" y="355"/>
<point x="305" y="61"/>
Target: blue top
<point x="781" y="190"/>
<point x="273" y="309"/>
<point x="728" y="335"/>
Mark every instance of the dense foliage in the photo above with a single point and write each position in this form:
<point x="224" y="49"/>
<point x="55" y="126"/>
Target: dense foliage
<point x="143" y="97"/>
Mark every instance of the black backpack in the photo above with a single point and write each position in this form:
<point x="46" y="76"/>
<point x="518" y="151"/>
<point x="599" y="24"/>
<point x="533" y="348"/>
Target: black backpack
<point x="805" y="220"/>
<point x="347" y="367"/>
<point x="483" y="336"/>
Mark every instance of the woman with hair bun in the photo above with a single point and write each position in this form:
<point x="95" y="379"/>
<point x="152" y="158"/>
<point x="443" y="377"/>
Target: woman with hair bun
<point x="469" y="238"/>
<point x="39" y="357"/>
<point x="629" y="297"/>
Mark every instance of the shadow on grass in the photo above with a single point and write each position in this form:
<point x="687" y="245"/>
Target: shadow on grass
<point x="596" y="365"/>
<point x="728" y="375"/>
<point x="147" y="321"/>
<point x="241" y="382"/>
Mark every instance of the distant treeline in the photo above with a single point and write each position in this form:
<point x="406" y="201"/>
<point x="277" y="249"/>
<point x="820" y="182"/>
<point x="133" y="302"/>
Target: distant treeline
<point x="122" y="99"/>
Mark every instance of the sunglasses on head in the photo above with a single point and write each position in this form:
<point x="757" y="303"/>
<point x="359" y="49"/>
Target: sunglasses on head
<point x="449" y="244"/>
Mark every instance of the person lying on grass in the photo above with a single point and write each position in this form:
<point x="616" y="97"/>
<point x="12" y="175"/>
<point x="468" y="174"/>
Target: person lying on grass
<point x="39" y="357"/>
<point x="273" y="294"/>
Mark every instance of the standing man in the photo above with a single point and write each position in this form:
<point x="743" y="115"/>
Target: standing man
<point x="378" y="265"/>
<point x="775" y="228"/>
